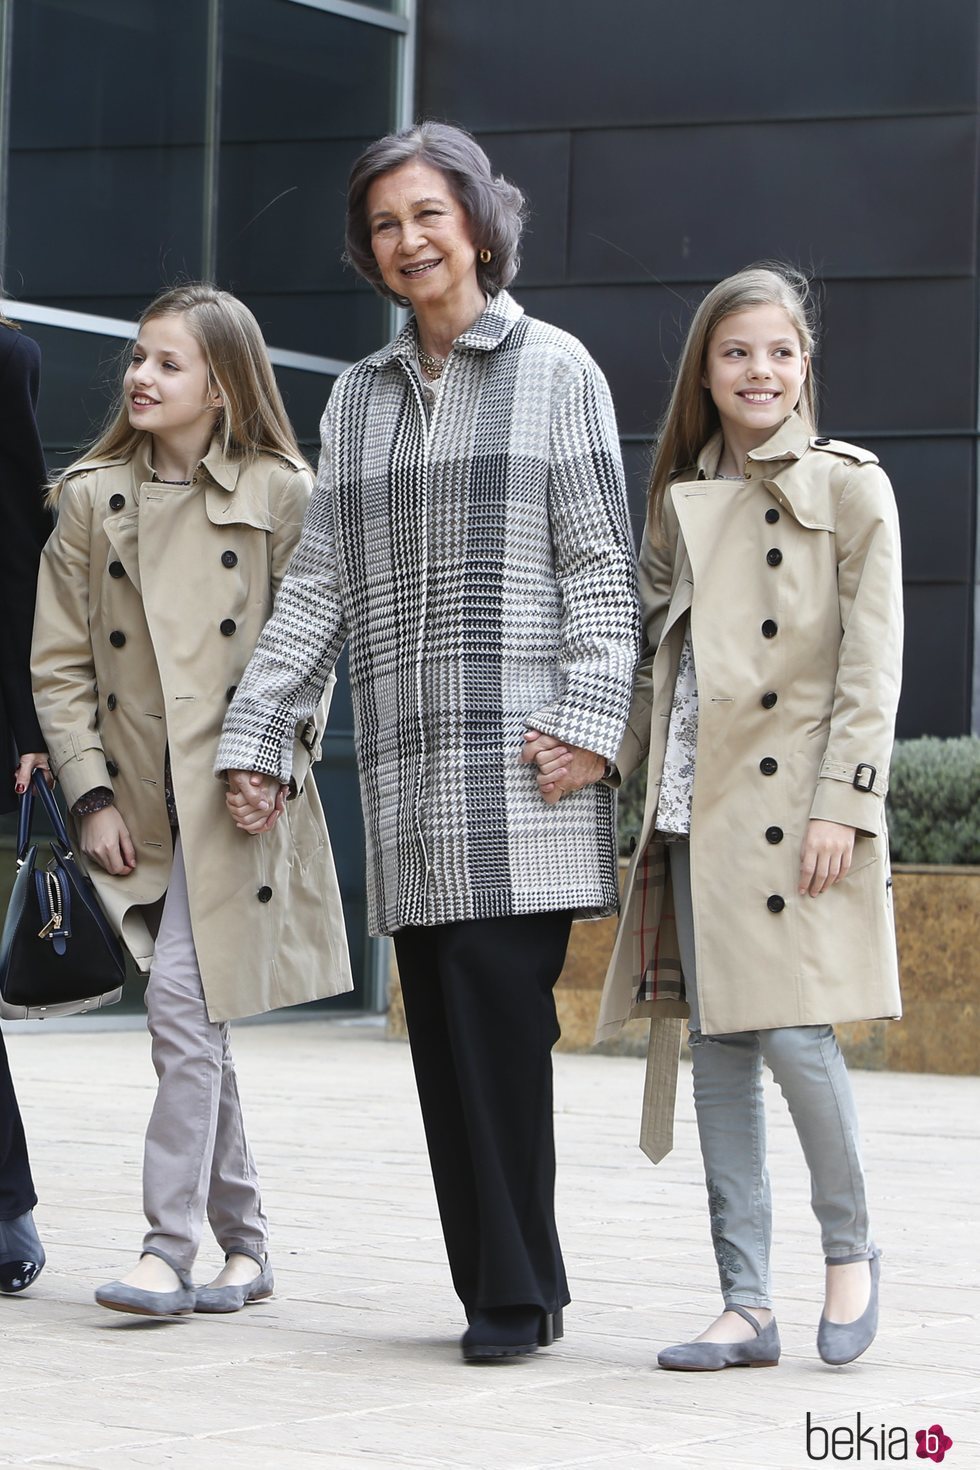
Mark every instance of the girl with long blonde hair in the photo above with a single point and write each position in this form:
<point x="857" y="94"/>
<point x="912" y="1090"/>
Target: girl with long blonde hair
<point x="174" y="530"/>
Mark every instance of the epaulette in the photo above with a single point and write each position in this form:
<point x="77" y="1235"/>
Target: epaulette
<point x="845" y="450"/>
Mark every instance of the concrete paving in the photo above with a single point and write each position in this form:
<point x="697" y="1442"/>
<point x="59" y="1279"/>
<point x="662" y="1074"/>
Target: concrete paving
<point x="354" y="1362"/>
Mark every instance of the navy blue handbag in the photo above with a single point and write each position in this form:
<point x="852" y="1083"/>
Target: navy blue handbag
<point x="58" y="954"/>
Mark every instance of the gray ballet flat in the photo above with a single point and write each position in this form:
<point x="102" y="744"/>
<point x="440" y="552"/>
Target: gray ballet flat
<point x="119" y="1297"/>
<point x="233" y="1298"/>
<point x="761" y="1351"/>
<point x="842" y="1342"/>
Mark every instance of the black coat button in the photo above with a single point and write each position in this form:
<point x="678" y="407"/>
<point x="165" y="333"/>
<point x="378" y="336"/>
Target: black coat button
<point x="768" y="765"/>
<point x="112" y="768"/>
<point x="116" y="569"/>
<point x="775" y="903"/>
<point x="772" y="515"/>
<point x="774" y="557"/>
<point x="774" y="835"/>
<point x="821" y="442"/>
<point x="632" y="845"/>
<point x="229" y="559"/>
<point x="116" y="638"/>
<point x="228" y="626"/>
<point x="769" y="699"/>
<point x="116" y="502"/>
<point x="111" y="702"/>
<point x="264" y="894"/>
<point x="230" y="692"/>
<point x="769" y="628"/>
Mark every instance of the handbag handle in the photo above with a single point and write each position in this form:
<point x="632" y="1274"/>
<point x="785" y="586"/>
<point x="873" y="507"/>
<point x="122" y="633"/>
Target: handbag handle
<point x="26" y="813"/>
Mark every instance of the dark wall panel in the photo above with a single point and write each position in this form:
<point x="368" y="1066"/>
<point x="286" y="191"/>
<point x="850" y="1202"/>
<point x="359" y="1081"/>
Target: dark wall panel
<point x="933" y="481"/>
<point x="539" y="164"/>
<point x="692" y="203"/>
<point x="517" y="66"/>
<point x="937" y="680"/>
<point x="899" y="355"/>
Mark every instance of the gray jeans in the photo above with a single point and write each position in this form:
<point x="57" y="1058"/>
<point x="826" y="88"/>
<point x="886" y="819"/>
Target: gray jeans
<point x="196" y="1158"/>
<point x="728" y="1097"/>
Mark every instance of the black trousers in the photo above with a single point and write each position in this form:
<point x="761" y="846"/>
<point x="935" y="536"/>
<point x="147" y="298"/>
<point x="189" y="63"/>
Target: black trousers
<point x="480" y="1009"/>
<point x="16" y="1185"/>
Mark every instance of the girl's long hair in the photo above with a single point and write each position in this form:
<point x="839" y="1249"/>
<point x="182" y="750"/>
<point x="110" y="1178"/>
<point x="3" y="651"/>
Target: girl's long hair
<point x="253" y="419"/>
<point x="691" y="417"/>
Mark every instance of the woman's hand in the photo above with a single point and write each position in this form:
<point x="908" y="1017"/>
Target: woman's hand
<point x="105" y="840"/>
<point x="562" y="768"/>
<point x="254" y="800"/>
<point x="825" y="856"/>
<point x="37" y="760"/>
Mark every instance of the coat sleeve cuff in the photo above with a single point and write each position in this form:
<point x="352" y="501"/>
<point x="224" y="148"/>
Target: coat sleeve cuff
<point x="588" y="731"/>
<point x="79" y="771"/>
<point x="837" y="801"/>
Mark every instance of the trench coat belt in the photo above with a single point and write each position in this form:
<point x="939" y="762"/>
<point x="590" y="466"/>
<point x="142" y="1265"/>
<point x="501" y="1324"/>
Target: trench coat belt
<point x="660" y="1087"/>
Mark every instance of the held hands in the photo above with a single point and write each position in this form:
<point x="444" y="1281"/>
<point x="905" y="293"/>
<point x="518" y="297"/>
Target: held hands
<point x="255" y="800"/>
<point x="562" y="768"/>
<point x="105" y="840"/>
<point x="37" y="760"/>
<point x="825" y="856"/>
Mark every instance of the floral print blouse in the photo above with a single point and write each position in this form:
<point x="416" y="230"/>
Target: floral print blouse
<point x="677" y="785"/>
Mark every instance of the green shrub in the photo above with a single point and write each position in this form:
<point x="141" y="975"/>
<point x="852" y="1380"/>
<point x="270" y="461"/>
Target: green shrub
<point x="934" y="800"/>
<point x="933" y="803"/>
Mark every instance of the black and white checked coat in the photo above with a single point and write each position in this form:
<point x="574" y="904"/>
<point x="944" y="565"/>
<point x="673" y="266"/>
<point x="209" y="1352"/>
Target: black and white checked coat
<point x="481" y="566"/>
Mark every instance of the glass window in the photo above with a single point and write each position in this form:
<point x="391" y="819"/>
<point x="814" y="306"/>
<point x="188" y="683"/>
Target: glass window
<point x="106" y="162"/>
<point x="302" y="92"/>
<point x="305" y="396"/>
<point x="81" y="374"/>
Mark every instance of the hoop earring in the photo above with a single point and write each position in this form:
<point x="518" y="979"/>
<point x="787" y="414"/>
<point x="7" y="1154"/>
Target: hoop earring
<point x="486" y="256"/>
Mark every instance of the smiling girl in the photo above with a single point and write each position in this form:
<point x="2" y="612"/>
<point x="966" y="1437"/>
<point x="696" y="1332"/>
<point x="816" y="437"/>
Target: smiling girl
<point x="759" y="900"/>
<point x="174" y="531"/>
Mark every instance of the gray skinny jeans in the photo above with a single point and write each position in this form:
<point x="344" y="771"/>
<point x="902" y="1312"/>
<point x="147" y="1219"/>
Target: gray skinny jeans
<point x="729" y="1102"/>
<point x="196" y="1159"/>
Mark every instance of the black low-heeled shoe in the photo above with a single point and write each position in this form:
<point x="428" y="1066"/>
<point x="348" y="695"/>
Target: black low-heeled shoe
<point x="18" y="1275"/>
<point x="23" y="1253"/>
<point x="496" y="1333"/>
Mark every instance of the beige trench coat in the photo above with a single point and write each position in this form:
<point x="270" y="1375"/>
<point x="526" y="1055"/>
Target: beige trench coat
<point x="810" y="558"/>
<point x="150" y="600"/>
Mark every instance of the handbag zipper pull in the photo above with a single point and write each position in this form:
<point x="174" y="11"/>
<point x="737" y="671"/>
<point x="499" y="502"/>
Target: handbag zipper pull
<point x="54" y="903"/>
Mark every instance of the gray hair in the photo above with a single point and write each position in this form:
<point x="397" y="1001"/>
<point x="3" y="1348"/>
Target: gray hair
<point x="495" y="208"/>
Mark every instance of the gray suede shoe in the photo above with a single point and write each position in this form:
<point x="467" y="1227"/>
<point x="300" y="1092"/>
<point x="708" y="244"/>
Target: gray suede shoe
<point x="233" y="1298"/>
<point x="119" y="1297"/>
<point x="761" y="1351"/>
<point x="842" y="1342"/>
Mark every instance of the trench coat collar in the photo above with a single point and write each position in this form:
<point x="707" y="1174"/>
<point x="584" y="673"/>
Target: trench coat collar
<point x="222" y="471"/>
<point x="491" y="327"/>
<point x="789" y="442"/>
<point x="806" y="496"/>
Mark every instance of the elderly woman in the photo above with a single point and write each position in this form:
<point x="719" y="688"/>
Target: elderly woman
<point x="468" y="535"/>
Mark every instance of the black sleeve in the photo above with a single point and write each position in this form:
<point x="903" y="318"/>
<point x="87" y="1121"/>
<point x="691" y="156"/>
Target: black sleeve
<point x="26" y="525"/>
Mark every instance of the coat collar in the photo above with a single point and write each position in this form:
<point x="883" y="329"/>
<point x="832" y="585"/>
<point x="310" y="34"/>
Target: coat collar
<point x="222" y="471"/>
<point x="789" y="442"/>
<point x="796" y="477"/>
<point x="491" y="327"/>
